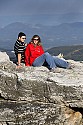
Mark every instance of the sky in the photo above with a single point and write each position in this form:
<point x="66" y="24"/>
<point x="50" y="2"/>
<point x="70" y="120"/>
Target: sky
<point x="20" y="10"/>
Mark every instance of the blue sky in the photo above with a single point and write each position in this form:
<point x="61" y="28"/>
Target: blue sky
<point x="17" y="10"/>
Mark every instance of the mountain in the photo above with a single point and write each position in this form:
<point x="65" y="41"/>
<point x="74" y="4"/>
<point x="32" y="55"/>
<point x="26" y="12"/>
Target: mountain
<point x="74" y="52"/>
<point x="69" y="52"/>
<point x="51" y="19"/>
<point x="60" y="35"/>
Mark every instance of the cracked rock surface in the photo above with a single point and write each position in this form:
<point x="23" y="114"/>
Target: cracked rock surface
<point x="36" y="96"/>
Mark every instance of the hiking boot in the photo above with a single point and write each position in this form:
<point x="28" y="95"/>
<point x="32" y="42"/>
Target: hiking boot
<point x="55" y="70"/>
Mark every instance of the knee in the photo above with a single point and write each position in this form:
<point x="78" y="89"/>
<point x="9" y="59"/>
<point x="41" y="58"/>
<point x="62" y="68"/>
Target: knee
<point x="46" y="53"/>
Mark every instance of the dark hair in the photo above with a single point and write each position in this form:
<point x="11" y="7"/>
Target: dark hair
<point x="21" y="34"/>
<point x="36" y="36"/>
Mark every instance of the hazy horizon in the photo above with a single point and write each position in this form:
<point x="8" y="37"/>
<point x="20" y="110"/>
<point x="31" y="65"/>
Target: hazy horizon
<point x="44" y="12"/>
<point x="42" y="17"/>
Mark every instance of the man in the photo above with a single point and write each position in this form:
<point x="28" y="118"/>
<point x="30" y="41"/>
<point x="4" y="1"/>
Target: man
<point x="19" y="48"/>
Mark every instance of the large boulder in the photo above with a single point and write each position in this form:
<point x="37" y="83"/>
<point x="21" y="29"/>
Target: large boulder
<point x="36" y="96"/>
<point x="4" y="57"/>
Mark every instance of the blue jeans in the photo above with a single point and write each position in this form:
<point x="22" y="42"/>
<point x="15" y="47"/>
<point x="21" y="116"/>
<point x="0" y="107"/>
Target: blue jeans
<point x="50" y="61"/>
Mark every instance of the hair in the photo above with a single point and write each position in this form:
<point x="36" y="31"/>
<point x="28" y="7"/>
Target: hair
<point x="39" y="40"/>
<point x="21" y="34"/>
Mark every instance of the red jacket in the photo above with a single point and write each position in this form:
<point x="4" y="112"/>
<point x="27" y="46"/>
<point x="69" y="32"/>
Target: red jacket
<point x="31" y="53"/>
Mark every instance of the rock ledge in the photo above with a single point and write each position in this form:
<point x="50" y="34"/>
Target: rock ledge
<point x="35" y="96"/>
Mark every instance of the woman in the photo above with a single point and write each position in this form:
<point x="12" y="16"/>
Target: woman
<point x="35" y="56"/>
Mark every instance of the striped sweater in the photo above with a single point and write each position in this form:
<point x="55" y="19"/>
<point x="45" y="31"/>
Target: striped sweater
<point x="19" y="48"/>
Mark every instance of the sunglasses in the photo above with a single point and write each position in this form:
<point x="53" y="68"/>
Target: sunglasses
<point x="35" y="39"/>
<point x="23" y="38"/>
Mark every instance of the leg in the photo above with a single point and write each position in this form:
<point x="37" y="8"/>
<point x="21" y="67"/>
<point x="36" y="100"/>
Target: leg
<point x="39" y="61"/>
<point x="60" y="62"/>
<point x="50" y="61"/>
<point x="45" y="57"/>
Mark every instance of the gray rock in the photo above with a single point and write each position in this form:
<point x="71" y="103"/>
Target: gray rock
<point x="36" y="96"/>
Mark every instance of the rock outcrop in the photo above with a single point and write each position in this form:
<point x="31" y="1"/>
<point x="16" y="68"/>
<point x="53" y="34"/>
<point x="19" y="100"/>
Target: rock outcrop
<point x="36" y="96"/>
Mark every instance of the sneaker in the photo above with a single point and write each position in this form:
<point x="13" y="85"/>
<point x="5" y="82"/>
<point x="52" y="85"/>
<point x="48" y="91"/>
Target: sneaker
<point x="55" y="70"/>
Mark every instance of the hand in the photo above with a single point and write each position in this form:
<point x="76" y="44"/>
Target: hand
<point x="18" y="66"/>
<point x="25" y="44"/>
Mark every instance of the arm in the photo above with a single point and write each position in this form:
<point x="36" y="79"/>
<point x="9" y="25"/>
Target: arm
<point x="19" y="61"/>
<point x="25" y="44"/>
<point x="42" y="50"/>
<point x="27" y="56"/>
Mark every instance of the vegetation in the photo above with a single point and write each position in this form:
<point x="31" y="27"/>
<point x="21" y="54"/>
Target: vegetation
<point x="70" y="52"/>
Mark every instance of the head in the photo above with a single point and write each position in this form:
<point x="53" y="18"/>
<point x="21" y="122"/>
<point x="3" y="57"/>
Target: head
<point x="36" y="40"/>
<point x="21" y="37"/>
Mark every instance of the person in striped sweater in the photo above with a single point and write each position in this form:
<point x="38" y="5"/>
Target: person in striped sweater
<point x="19" y="48"/>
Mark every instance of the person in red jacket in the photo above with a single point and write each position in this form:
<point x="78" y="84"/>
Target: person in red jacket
<point x="35" y="56"/>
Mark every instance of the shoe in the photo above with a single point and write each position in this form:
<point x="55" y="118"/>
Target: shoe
<point x="60" y="55"/>
<point x="55" y="70"/>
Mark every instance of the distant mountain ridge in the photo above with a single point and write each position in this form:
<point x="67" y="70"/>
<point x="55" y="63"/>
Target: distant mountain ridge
<point x="60" y="35"/>
<point x="69" y="52"/>
<point x="74" y="52"/>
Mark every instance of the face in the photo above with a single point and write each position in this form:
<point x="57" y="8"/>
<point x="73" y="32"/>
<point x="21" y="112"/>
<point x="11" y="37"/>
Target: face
<point x="22" y="39"/>
<point x="36" y="40"/>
